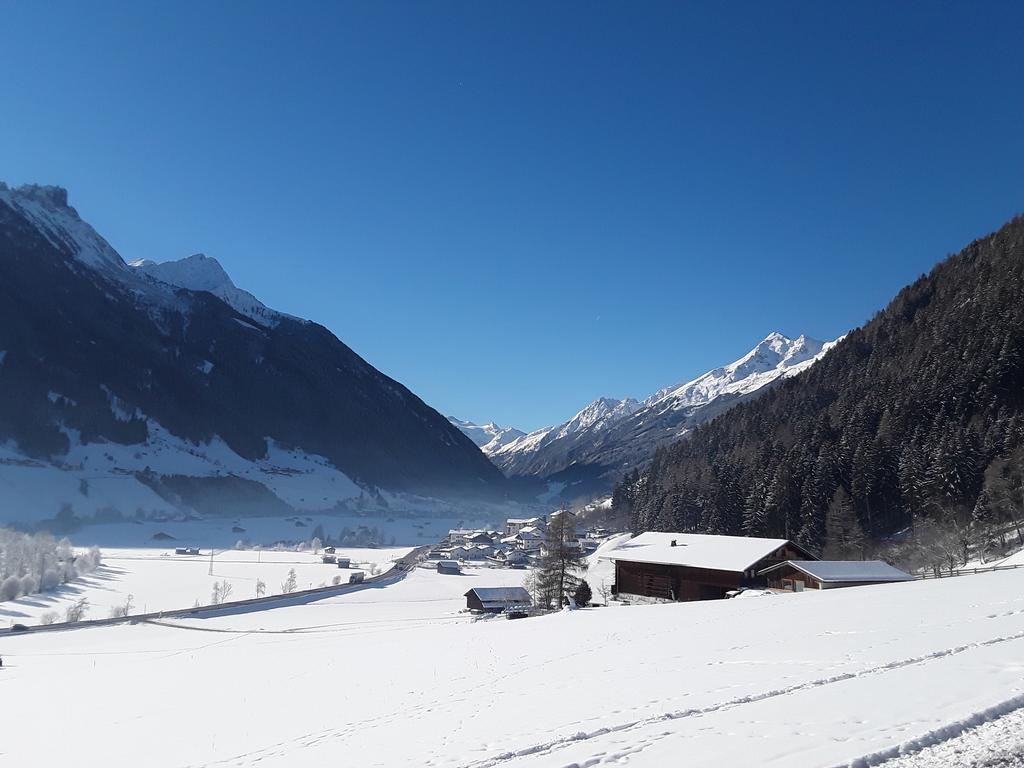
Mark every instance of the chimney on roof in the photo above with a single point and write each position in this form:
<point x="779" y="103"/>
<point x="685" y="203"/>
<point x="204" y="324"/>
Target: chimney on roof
<point x="673" y="543"/>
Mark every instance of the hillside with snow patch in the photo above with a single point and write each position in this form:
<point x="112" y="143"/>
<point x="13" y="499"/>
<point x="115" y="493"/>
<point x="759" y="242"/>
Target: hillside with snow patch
<point x="164" y="390"/>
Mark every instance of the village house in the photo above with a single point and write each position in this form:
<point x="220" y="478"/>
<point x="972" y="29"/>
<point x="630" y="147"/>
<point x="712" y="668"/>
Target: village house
<point x="798" y="575"/>
<point x="688" y="566"/>
<point x="449" y="567"/>
<point x="513" y="558"/>
<point x="514" y="525"/>
<point x="529" y="539"/>
<point x="497" y="599"/>
<point x="458" y="536"/>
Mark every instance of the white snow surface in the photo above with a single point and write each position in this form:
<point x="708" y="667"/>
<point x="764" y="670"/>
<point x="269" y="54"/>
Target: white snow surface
<point x="396" y="675"/>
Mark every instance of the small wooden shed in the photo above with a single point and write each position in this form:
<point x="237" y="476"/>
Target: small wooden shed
<point x="449" y="567"/>
<point x="497" y="599"/>
<point x="798" y="575"/>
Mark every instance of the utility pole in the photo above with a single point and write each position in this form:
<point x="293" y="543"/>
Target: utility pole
<point x="211" y="561"/>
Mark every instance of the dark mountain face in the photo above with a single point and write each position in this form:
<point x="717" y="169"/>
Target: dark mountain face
<point x="913" y="422"/>
<point x="87" y="347"/>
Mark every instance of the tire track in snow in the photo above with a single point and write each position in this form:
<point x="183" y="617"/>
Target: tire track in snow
<point x="568" y="741"/>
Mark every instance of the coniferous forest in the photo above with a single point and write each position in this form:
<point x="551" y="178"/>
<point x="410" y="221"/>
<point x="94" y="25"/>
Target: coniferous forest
<point x="907" y="439"/>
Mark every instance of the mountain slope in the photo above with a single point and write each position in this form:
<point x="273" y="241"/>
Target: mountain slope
<point x="610" y="436"/>
<point x="95" y="352"/>
<point x="913" y="420"/>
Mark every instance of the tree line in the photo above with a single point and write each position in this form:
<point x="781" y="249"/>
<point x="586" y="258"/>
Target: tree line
<point x="38" y="562"/>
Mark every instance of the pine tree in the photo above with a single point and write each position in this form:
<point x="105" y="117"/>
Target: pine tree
<point x="560" y="563"/>
<point x="844" y="537"/>
<point x="583" y="594"/>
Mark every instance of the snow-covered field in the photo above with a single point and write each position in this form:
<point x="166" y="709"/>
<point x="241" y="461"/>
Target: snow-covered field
<point x="159" y="580"/>
<point x="397" y="676"/>
<point x="222" y="533"/>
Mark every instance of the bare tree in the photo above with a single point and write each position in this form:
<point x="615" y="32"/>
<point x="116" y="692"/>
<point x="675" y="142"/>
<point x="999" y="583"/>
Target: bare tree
<point x="76" y="611"/>
<point x="119" y="611"/>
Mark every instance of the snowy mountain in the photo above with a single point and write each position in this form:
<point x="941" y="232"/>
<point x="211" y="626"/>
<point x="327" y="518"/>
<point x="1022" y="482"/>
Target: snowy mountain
<point x="488" y="437"/>
<point x="202" y="273"/>
<point x="164" y="389"/>
<point x="610" y="436"/>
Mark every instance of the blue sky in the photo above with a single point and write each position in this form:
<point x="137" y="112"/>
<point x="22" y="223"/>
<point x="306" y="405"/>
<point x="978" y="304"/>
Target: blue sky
<point x="516" y="208"/>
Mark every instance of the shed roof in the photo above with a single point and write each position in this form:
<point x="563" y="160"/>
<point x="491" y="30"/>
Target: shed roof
<point x="697" y="550"/>
<point x="831" y="571"/>
<point x="494" y="596"/>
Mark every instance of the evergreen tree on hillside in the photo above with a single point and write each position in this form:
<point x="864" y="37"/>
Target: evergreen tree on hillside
<point x="844" y="536"/>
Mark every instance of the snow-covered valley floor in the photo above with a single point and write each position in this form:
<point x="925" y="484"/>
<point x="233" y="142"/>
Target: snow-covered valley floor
<point x="159" y="580"/>
<point x="397" y="676"/>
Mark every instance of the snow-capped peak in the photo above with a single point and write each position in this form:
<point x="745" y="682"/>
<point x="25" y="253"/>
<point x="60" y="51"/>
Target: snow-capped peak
<point x="200" y="272"/>
<point x="599" y="414"/>
<point x="47" y="208"/>
<point x="775" y="356"/>
<point x="488" y="437"/>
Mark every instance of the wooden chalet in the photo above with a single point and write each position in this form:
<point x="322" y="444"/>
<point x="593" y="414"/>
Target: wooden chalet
<point x="690" y="566"/>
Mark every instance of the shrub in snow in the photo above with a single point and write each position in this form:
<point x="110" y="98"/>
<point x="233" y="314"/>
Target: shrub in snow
<point x="119" y="611"/>
<point x="583" y="594"/>
<point x="48" y="618"/>
<point x="76" y="612"/>
<point x="51" y="580"/>
<point x="290" y="583"/>
<point x="10" y="588"/>
<point x="29" y="584"/>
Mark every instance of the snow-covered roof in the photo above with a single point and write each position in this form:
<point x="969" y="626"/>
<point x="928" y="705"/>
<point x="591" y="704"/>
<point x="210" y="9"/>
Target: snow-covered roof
<point x="846" y="570"/>
<point x="530" y="532"/>
<point x="493" y="597"/>
<point x="697" y="550"/>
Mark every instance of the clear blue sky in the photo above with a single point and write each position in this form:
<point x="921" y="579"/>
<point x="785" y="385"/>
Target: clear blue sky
<point x="514" y="208"/>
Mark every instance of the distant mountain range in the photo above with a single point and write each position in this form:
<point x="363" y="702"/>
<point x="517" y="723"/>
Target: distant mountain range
<point x="488" y="437"/>
<point x="144" y="388"/>
<point x="590" y="451"/>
